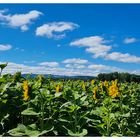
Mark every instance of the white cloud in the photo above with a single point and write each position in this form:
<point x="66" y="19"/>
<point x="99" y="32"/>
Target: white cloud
<point x="130" y="40"/>
<point x="55" y="29"/>
<point x="97" y="46"/>
<point x="5" y="47"/>
<point x="103" y="67"/>
<point x="117" y="56"/>
<point x="77" y="66"/>
<point x="94" y="44"/>
<point x="99" y="67"/>
<point x="49" y="64"/>
<point x="75" y="61"/>
<point x="13" y="68"/>
<point x="98" y="51"/>
<point x="24" y="28"/>
<point x="91" y="70"/>
<point x="19" y="20"/>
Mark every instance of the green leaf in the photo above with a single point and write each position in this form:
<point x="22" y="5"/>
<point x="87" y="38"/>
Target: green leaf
<point x="72" y="108"/>
<point x="116" y="135"/>
<point x="138" y="123"/>
<point x="37" y="85"/>
<point x="36" y="133"/>
<point x="2" y="66"/>
<point x="85" y="103"/>
<point x="4" y="101"/>
<point x="32" y="126"/>
<point x="65" y="105"/>
<point x="76" y="96"/>
<point x="58" y="94"/>
<point x="30" y="130"/>
<point x="21" y="127"/>
<point x="126" y="115"/>
<point x="64" y="120"/>
<point x="6" y="86"/>
<point x="19" y="131"/>
<point x="83" y="133"/>
<point x="83" y="98"/>
<point x="32" y="133"/>
<point x="45" y="131"/>
<point x="29" y="112"/>
<point x="93" y="121"/>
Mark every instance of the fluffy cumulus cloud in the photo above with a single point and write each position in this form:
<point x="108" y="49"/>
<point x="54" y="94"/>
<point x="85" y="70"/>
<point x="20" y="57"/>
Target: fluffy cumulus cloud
<point x="90" y="70"/>
<point x="5" y="47"/>
<point x="130" y="40"/>
<point x="13" y="68"/>
<point x="49" y="64"/>
<point x="94" y="44"/>
<point x="55" y="29"/>
<point x="75" y="61"/>
<point x="99" y="48"/>
<point x="123" y="57"/>
<point x="19" y="20"/>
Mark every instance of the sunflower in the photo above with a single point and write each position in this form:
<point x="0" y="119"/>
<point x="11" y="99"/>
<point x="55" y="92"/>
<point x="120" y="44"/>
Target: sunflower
<point x="58" y="88"/>
<point x="26" y="90"/>
<point x="113" y="89"/>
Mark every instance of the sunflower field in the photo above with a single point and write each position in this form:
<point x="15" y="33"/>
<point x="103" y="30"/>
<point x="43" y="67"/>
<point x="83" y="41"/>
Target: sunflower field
<point x="45" y="107"/>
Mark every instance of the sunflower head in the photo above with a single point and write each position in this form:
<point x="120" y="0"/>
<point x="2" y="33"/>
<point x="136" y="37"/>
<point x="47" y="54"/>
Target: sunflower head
<point x="95" y="89"/>
<point x="113" y="89"/>
<point x="26" y="90"/>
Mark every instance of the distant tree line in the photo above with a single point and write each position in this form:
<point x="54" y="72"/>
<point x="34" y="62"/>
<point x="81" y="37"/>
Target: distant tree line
<point x="122" y="77"/>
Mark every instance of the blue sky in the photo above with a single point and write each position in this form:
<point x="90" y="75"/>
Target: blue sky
<point x="70" y="39"/>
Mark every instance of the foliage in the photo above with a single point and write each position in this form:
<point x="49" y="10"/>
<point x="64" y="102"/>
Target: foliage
<point x="122" y="77"/>
<point x="2" y="66"/>
<point x="44" y="107"/>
